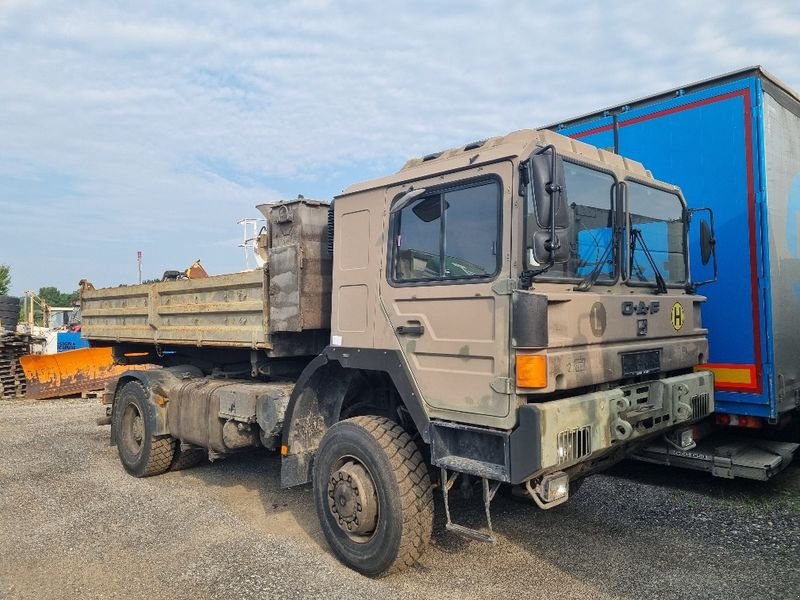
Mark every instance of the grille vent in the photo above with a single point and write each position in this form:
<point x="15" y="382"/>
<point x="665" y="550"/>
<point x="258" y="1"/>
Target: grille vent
<point x="701" y="405"/>
<point x="574" y="444"/>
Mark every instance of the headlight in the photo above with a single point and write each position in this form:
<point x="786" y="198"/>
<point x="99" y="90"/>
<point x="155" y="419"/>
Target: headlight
<point x="554" y="486"/>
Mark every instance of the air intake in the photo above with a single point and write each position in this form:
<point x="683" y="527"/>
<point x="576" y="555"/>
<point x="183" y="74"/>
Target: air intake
<point x="701" y="405"/>
<point x="574" y="444"/>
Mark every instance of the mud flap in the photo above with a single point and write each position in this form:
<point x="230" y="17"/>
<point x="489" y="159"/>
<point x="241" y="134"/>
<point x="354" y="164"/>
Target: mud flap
<point x="726" y="457"/>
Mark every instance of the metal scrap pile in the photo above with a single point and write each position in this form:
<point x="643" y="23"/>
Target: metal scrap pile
<point x="12" y="379"/>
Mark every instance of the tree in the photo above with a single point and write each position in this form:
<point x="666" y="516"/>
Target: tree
<point x="55" y="297"/>
<point x="5" y="279"/>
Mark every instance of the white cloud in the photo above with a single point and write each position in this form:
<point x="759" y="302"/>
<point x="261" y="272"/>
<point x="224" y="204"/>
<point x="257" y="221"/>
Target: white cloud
<point x="163" y="123"/>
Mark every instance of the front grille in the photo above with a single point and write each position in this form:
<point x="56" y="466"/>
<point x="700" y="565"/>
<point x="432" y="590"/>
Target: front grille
<point x="637" y="395"/>
<point x="701" y="405"/>
<point x="574" y="444"/>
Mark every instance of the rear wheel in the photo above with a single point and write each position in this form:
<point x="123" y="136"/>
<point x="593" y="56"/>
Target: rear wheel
<point x="142" y="453"/>
<point x="373" y="495"/>
<point x="186" y="458"/>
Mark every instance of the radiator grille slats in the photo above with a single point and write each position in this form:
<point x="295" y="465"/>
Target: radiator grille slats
<point x="574" y="444"/>
<point x="701" y="405"/>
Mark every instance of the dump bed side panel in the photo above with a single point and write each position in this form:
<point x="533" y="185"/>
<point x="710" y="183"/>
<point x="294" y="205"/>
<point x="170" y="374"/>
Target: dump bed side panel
<point x="782" y="154"/>
<point x="283" y="308"/>
<point x="707" y="141"/>
<point x="225" y="310"/>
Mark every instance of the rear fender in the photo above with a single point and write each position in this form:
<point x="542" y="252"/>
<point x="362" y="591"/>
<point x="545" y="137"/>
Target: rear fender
<point x="157" y="383"/>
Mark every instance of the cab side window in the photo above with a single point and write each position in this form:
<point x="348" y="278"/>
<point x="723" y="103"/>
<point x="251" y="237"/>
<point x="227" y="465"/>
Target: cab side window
<point x="452" y="234"/>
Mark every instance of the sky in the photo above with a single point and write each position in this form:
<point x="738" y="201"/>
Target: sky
<point x="156" y="126"/>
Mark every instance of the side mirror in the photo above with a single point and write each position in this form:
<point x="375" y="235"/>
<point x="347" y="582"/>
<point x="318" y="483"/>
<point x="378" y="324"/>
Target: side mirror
<point x="707" y="243"/>
<point x="546" y="251"/>
<point x="429" y="209"/>
<point x="549" y="189"/>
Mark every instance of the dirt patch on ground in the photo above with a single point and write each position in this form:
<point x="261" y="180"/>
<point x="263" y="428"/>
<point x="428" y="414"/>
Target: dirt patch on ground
<point x="74" y="524"/>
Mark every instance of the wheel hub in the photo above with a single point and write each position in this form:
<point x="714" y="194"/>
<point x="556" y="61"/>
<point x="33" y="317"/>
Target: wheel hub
<point x="132" y="430"/>
<point x="352" y="499"/>
<point x="138" y="429"/>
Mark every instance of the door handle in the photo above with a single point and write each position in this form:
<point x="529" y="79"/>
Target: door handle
<point x="410" y="328"/>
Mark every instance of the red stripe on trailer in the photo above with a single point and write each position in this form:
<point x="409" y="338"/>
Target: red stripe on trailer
<point x="732" y="377"/>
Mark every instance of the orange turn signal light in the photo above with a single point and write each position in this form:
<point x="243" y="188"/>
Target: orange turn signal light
<point x="531" y="370"/>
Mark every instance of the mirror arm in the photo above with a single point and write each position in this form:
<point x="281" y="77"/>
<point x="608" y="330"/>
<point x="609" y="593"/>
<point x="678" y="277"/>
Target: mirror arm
<point x="625" y="254"/>
<point x="406" y="199"/>
<point x="527" y="275"/>
<point x="524" y="177"/>
<point x="554" y="243"/>
<point x="552" y="189"/>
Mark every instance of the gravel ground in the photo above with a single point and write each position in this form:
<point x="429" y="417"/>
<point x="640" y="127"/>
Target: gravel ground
<point x="73" y="524"/>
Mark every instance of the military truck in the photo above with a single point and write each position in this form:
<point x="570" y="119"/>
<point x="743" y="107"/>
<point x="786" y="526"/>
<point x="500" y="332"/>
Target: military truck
<point x="516" y="311"/>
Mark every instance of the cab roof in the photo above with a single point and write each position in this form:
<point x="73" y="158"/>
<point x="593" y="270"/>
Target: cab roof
<point x="513" y="145"/>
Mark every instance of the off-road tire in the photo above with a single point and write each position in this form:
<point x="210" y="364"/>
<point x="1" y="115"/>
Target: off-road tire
<point x="141" y="453"/>
<point x="9" y="302"/>
<point x="186" y="459"/>
<point x="402" y="487"/>
<point x="9" y="313"/>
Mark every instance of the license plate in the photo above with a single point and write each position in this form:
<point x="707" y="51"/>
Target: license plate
<point x="641" y="363"/>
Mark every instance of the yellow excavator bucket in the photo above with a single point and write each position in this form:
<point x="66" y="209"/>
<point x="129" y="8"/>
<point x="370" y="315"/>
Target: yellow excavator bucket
<point x="71" y="372"/>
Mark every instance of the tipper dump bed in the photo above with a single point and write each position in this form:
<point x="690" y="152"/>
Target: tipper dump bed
<point x="226" y="310"/>
<point x="283" y="303"/>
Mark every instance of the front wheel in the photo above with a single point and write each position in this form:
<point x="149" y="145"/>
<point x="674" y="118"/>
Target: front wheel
<point x="373" y="495"/>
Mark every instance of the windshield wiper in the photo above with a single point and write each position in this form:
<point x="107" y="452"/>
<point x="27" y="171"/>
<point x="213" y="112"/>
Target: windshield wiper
<point x="586" y="284"/>
<point x="661" y="285"/>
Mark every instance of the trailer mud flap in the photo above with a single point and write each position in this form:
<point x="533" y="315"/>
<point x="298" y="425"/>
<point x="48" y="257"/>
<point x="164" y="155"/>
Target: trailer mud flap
<point x="726" y="457"/>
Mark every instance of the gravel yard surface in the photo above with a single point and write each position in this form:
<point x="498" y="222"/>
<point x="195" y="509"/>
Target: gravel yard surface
<point x="73" y="524"/>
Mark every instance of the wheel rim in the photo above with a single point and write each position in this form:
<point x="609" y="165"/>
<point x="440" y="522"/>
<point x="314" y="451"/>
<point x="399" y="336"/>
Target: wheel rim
<point x="132" y="430"/>
<point x="352" y="499"/>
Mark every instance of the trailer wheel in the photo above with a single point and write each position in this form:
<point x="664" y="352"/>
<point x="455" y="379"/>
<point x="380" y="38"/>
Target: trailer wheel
<point x="373" y="495"/>
<point x="186" y="459"/>
<point x="142" y="453"/>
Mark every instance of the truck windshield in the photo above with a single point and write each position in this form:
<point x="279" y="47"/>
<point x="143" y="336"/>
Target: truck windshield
<point x="658" y="216"/>
<point x="590" y="230"/>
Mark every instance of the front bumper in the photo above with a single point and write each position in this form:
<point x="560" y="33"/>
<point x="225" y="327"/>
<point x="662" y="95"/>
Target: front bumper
<point x="575" y="429"/>
<point x="553" y="436"/>
<point x="556" y="435"/>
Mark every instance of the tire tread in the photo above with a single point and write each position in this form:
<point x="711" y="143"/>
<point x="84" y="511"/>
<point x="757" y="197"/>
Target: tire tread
<point x="161" y="452"/>
<point x="186" y="459"/>
<point x="162" y="448"/>
<point x="416" y="488"/>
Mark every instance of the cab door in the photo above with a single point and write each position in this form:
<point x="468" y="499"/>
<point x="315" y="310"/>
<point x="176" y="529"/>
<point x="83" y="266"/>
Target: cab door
<point x="445" y="289"/>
